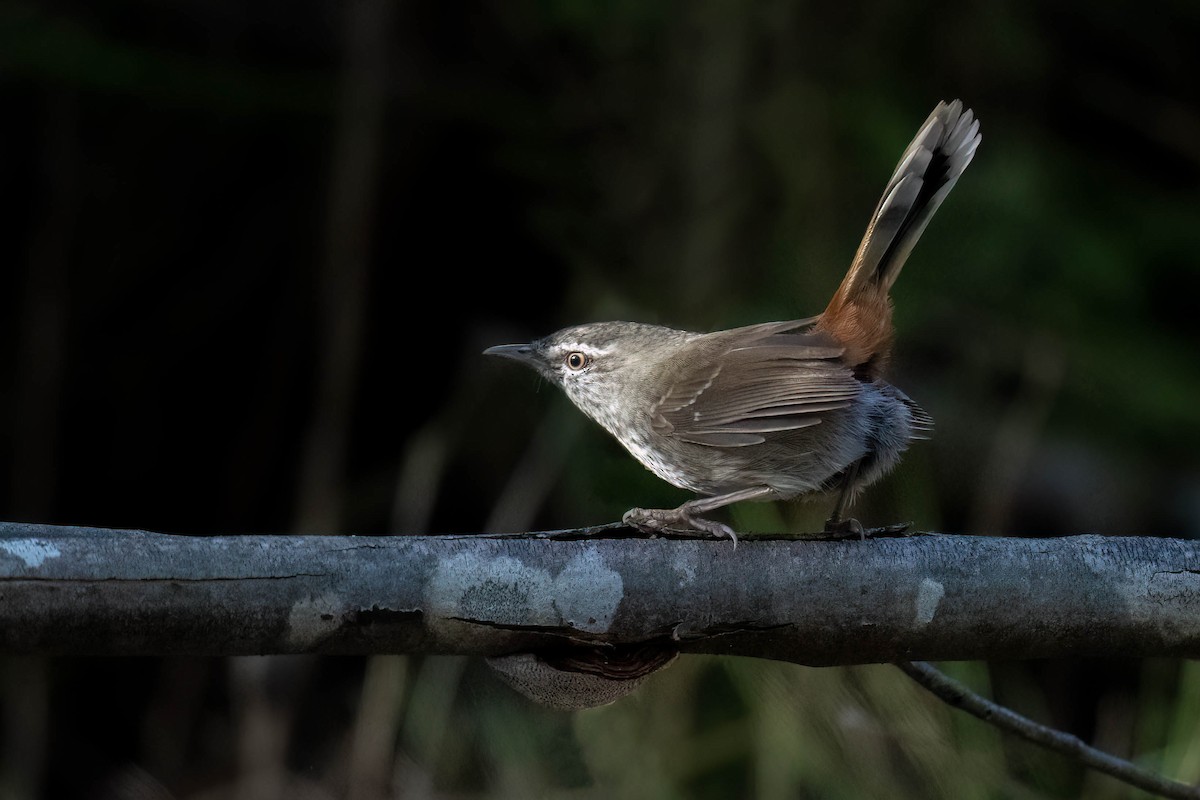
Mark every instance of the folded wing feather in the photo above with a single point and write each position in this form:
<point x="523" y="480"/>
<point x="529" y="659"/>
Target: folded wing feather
<point x="765" y="382"/>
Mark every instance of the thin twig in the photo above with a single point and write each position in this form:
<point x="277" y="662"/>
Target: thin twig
<point x="954" y="693"/>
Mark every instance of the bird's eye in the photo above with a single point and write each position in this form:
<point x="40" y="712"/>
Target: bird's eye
<point x="577" y="361"/>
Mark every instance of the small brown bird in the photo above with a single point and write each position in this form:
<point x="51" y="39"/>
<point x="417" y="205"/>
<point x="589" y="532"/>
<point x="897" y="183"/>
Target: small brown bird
<point x="779" y="409"/>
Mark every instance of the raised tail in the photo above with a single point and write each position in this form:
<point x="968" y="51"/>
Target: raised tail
<point x="860" y="313"/>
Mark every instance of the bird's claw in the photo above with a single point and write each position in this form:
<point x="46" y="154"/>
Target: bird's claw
<point x="845" y="528"/>
<point x="655" y="520"/>
<point x="853" y="529"/>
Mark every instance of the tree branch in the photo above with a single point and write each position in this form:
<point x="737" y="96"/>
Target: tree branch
<point x="933" y="597"/>
<point x="576" y="618"/>
<point x="954" y="693"/>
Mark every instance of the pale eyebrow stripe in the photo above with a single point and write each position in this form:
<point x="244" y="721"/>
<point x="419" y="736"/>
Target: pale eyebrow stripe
<point x="569" y="347"/>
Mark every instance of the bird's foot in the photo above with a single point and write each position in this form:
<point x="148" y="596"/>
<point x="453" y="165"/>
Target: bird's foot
<point x="895" y="529"/>
<point x="654" y="520"/>
<point x="849" y="528"/>
<point x="853" y="529"/>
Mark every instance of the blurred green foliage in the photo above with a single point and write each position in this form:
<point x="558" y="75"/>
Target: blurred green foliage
<point x="702" y="165"/>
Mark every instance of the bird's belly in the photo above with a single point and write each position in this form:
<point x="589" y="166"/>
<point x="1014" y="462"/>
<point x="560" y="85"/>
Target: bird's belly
<point x="666" y="464"/>
<point x="792" y="466"/>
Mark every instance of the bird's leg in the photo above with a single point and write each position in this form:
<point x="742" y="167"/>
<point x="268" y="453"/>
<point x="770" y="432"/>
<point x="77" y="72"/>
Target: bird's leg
<point x="649" y="520"/>
<point x="839" y="523"/>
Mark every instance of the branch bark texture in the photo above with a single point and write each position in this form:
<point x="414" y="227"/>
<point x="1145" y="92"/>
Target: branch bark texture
<point x="70" y="590"/>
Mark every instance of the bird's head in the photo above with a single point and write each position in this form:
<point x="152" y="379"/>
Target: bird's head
<point x="600" y="364"/>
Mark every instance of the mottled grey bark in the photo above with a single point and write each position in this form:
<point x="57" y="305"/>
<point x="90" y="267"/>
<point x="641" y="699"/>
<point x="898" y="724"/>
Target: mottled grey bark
<point x="934" y="597"/>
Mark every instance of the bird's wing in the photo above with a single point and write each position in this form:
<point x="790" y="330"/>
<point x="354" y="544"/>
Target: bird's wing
<point x="756" y="384"/>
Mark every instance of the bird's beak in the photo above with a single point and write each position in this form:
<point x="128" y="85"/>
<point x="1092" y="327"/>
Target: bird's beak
<point x="517" y="352"/>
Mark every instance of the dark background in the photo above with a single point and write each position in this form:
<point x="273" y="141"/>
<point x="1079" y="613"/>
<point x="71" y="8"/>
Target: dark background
<point x="253" y="251"/>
